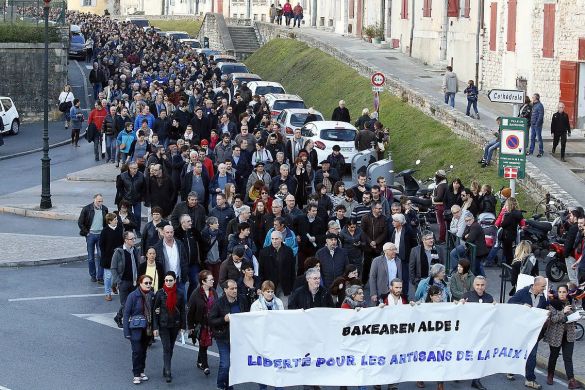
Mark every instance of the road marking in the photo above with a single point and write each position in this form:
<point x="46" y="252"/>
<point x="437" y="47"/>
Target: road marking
<point x="107" y="319"/>
<point x="4" y="388"/>
<point x="54" y="297"/>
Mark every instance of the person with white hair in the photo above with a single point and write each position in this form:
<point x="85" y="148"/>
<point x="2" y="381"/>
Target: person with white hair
<point x="405" y="240"/>
<point x="385" y="268"/>
<point x="437" y="277"/>
<point x="363" y="120"/>
<point x="341" y="113"/>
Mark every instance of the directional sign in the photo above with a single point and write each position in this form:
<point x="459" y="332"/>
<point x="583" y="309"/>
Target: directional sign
<point x="378" y="79"/>
<point x="512" y="161"/>
<point x="506" y="96"/>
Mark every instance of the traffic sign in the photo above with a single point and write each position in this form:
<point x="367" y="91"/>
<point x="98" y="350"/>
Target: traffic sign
<point x="378" y="79"/>
<point x="513" y="137"/>
<point x="377" y="89"/>
<point x="506" y="96"/>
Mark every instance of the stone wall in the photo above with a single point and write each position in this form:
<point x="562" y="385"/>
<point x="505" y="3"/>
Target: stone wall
<point x="22" y="77"/>
<point x="215" y="28"/>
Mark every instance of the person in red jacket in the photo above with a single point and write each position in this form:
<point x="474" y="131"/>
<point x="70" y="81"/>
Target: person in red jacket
<point x="298" y="15"/>
<point x="96" y="118"/>
<point x="287" y="11"/>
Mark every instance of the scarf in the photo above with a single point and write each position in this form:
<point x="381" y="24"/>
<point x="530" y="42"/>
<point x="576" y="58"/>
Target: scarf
<point x="353" y="303"/>
<point x="146" y="308"/>
<point x="171" y="298"/>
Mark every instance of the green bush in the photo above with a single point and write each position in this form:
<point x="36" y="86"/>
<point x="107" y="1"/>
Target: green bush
<point x="27" y="33"/>
<point x="321" y="80"/>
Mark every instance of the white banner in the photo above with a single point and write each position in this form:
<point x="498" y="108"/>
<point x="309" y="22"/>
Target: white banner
<point x="337" y="347"/>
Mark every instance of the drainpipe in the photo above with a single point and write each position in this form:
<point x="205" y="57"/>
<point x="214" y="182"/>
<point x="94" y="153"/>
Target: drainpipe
<point x="248" y="9"/>
<point x="412" y="30"/>
<point x="314" y="13"/>
<point x="444" y="30"/>
<point x="389" y="24"/>
<point x="383" y="18"/>
<point x="477" y="33"/>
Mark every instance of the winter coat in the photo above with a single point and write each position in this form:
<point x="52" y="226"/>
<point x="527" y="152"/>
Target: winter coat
<point x="332" y="266"/>
<point x="164" y="319"/>
<point x="86" y="217"/>
<point x="197" y="307"/>
<point x="557" y="325"/>
<point x="219" y="327"/>
<point x="537" y="118"/>
<point x="110" y="239"/>
<point x="450" y="82"/>
<point x="460" y="284"/>
<point x="302" y="298"/>
<point x="135" y="306"/>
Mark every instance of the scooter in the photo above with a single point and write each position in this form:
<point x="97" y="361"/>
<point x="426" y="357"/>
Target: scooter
<point x="556" y="268"/>
<point x="542" y="233"/>
<point x="411" y="186"/>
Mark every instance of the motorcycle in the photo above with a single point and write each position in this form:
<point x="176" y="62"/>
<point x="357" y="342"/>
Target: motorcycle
<point x="410" y="186"/>
<point x="556" y="268"/>
<point x="543" y="233"/>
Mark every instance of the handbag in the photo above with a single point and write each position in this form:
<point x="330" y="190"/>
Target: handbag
<point x="381" y="146"/>
<point x="138" y="322"/>
<point x="65" y="106"/>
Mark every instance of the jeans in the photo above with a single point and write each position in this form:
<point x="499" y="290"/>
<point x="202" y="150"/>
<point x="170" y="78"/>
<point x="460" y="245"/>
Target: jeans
<point x="137" y="210"/>
<point x="97" y="147"/>
<point x="471" y="103"/>
<point x="111" y="147"/>
<point x="531" y="364"/>
<point x="492" y="256"/>
<point x="298" y="19"/>
<point x="107" y="281"/>
<point x="193" y="279"/>
<point x="124" y="289"/>
<point x="223" y="372"/>
<point x="93" y="256"/>
<point x="534" y="134"/>
<point x="450" y="98"/>
<point x="264" y="387"/>
<point x="97" y="88"/>
<point x="139" y="348"/>
<point x="181" y="288"/>
<point x="572" y="273"/>
<point x="457" y="253"/>
<point x="567" y="357"/>
<point x="168" y="336"/>
<point x="488" y="150"/>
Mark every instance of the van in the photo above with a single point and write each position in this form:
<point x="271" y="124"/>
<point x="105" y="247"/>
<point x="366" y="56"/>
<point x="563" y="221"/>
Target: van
<point x="77" y="47"/>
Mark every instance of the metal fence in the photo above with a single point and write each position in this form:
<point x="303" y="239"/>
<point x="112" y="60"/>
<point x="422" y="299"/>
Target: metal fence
<point x="31" y="11"/>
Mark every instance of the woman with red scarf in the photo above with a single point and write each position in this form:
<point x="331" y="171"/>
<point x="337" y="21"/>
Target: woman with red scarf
<point x="169" y="319"/>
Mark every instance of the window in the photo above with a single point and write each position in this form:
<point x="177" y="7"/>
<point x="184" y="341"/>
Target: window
<point x="7" y="104"/>
<point x="351" y="9"/>
<point x="453" y="8"/>
<point x="427" y="8"/>
<point x="404" y="10"/>
<point x="493" y="25"/>
<point x="548" y="39"/>
<point x="87" y="3"/>
<point x="511" y="44"/>
<point x="465" y="8"/>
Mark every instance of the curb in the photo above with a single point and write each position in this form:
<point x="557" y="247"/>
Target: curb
<point x="55" y="145"/>
<point x="37" y="213"/>
<point x="35" y="263"/>
<point x="542" y="363"/>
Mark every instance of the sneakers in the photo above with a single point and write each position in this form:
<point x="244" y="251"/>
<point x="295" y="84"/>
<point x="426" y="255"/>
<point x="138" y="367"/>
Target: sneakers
<point x="206" y="371"/>
<point x="108" y="298"/>
<point x="540" y="154"/>
<point x="136" y="380"/>
<point x="528" y="153"/>
<point x="532" y="385"/>
<point x="93" y="279"/>
<point x="510" y="377"/>
<point x="143" y="377"/>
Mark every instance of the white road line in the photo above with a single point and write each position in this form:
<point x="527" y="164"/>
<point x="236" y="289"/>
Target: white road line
<point x="107" y="319"/>
<point x="54" y="297"/>
<point x="554" y="379"/>
<point x="4" y="388"/>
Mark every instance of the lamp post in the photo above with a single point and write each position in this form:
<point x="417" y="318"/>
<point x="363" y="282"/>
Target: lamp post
<point x="45" y="160"/>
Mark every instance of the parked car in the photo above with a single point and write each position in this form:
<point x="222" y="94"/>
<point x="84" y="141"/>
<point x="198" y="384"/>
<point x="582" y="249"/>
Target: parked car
<point x="192" y="43"/>
<point x="140" y="22"/>
<point x="178" y="35"/>
<point x="232" y="67"/>
<point x="244" y="77"/>
<point x="77" y="47"/>
<point x="327" y="134"/>
<point x="9" y="115"/>
<point x="264" y="87"/>
<point x="281" y="101"/>
<point x="294" y="118"/>
<point x="208" y="52"/>
<point x="224" y="58"/>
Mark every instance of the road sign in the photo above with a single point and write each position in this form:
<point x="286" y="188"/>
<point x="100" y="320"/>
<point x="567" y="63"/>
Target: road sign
<point x="378" y="79"/>
<point x="377" y="89"/>
<point x="513" y="137"/>
<point x="510" y="173"/>
<point x="506" y="96"/>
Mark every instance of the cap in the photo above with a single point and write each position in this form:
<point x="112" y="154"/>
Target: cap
<point x="324" y="162"/>
<point x="204" y="142"/>
<point x="331" y="235"/>
<point x="441" y="173"/>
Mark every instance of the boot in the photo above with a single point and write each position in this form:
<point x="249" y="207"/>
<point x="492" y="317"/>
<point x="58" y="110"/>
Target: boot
<point x="549" y="378"/>
<point x="573" y="384"/>
<point x="440" y="386"/>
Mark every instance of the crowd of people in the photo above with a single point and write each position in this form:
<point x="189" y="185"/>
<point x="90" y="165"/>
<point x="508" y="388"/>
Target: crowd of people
<point x="242" y="217"/>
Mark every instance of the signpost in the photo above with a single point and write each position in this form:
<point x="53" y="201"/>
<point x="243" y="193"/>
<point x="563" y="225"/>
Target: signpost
<point x="512" y="161"/>
<point x="378" y="80"/>
<point x="506" y="96"/>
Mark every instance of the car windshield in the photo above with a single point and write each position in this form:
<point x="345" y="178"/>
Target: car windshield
<point x="268" y="89"/>
<point x="297" y="120"/>
<point x="140" y="22"/>
<point x="77" y="38"/>
<point x="280" y="105"/>
<point x="194" y="44"/>
<point x="180" y="36"/>
<point x="229" y="69"/>
<point x="338" y="135"/>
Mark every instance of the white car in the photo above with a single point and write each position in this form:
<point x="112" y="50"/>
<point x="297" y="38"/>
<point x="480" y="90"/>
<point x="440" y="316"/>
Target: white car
<point x="264" y="87"/>
<point x="281" y="101"/>
<point x="294" y="118"/>
<point x="192" y="43"/>
<point x="178" y="35"/>
<point x="327" y="134"/>
<point x="9" y="115"/>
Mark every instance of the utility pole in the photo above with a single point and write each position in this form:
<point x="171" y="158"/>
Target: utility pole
<point x="45" y="160"/>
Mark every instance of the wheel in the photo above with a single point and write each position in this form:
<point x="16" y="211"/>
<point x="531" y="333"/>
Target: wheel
<point x="15" y="127"/>
<point x="554" y="270"/>
<point x="579" y="330"/>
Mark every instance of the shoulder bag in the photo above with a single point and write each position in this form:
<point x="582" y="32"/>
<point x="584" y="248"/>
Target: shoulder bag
<point x="138" y="322"/>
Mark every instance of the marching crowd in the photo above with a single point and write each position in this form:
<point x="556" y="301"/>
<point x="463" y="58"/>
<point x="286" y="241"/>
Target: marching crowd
<point x="242" y="217"/>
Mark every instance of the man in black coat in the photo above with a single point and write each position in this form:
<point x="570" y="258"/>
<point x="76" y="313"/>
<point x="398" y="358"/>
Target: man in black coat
<point x="283" y="178"/>
<point x="196" y="181"/>
<point x="132" y="189"/>
<point x="277" y="263"/>
<point x="201" y="125"/>
<point x="91" y="226"/>
<point x="341" y="113"/>
<point x="192" y="208"/>
<point x="243" y="169"/>
<point x="310" y="231"/>
<point x="560" y="126"/>
<point x="191" y="239"/>
<point x="162" y="127"/>
<point x="326" y="175"/>
<point x="311" y="294"/>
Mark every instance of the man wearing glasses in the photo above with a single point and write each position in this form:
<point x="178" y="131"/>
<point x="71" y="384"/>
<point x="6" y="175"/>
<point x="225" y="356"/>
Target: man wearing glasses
<point x="125" y="271"/>
<point x="422" y="257"/>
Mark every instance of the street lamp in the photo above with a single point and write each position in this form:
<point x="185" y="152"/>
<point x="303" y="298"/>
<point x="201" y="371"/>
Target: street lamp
<point x="45" y="160"/>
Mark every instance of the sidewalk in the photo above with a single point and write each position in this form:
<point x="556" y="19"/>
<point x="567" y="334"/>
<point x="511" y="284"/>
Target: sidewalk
<point x="429" y="81"/>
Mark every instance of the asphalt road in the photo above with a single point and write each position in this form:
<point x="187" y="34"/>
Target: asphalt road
<point x="72" y="343"/>
<point x="30" y="135"/>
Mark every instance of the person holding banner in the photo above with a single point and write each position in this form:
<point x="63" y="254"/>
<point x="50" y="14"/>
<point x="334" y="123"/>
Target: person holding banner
<point x="434" y="294"/>
<point x="219" y="319"/>
<point x="384" y="269"/>
<point x="354" y="299"/>
<point x="436" y="278"/>
<point x="531" y="296"/>
<point x="524" y="263"/>
<point x="395" y="297"/>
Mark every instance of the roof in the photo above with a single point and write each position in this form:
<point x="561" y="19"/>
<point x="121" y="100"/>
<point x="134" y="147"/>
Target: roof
<point x="262" y="83"/>
<point x="333" y="125"/>
<point x="282" y="96"/>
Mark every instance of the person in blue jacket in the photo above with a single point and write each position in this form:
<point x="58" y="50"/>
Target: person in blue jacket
<point x="139" y="304"/>
<point x="125" y="140"/>
<point x="536" y="121"/>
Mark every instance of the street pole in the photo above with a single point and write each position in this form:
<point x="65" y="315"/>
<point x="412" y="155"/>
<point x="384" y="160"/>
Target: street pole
<point x="46" y="161"/>
<point x="515" y="112"/>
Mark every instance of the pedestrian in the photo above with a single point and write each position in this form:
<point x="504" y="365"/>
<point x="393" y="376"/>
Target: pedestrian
<point x="298" y="16"/>
<point x="424" y="256"/>
<point x="509" y="220"/>
<point x="171" y="253"/>
<point x="109" y="130"/>
<point x="112" y="236"/>
<point x="450" y="86"/>
<point x="95" y="122"/>
<point x="570" y="243"/>
<point x="438" y="197"/>
<point x="287" y="11"/>
<point x="272" y="13"/>
<point x="249" y="284"/>
<point x="125" y="272"/>
<point x="277" y="264"/>
<point x="434" y="294"/>
<point x="536" y="121"/>
<point x="462" y="281"/>
<point x="200" y="303"/>
<point x="279" y="14"/>
<point x="219" y="319"/>
<point x="561" y="334"/>
<point x="91" y="222"/>
<point x="76" y="118"/>
<point x="66" y="99"/>
<point x="472" y="94"/>
<point x="490" y="147"/>
<point x="153" y="269"/>
<point x="437" y="278"/>
<point x="312" y="293"/>
<point x="138" y="325"/>
<point x="560" y="128"/>
<point x="579" y="265"/>
<point x="97" y="77"/>
<point x="339" y="286"/>
<point x="524" y="263"/>
<point x="375" y="232"/>
<point x="386" y="267"/>
<point x="169" y="319"/>
<point x="531" y="296"/>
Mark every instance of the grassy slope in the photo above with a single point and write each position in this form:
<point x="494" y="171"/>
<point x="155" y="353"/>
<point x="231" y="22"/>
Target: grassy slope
<point x="322" y="81"/>
<point x="190" y="26"/>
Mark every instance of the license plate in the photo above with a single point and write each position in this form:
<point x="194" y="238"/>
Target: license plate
<point x="346" y="149"/>
<point x="551" y="254"/>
